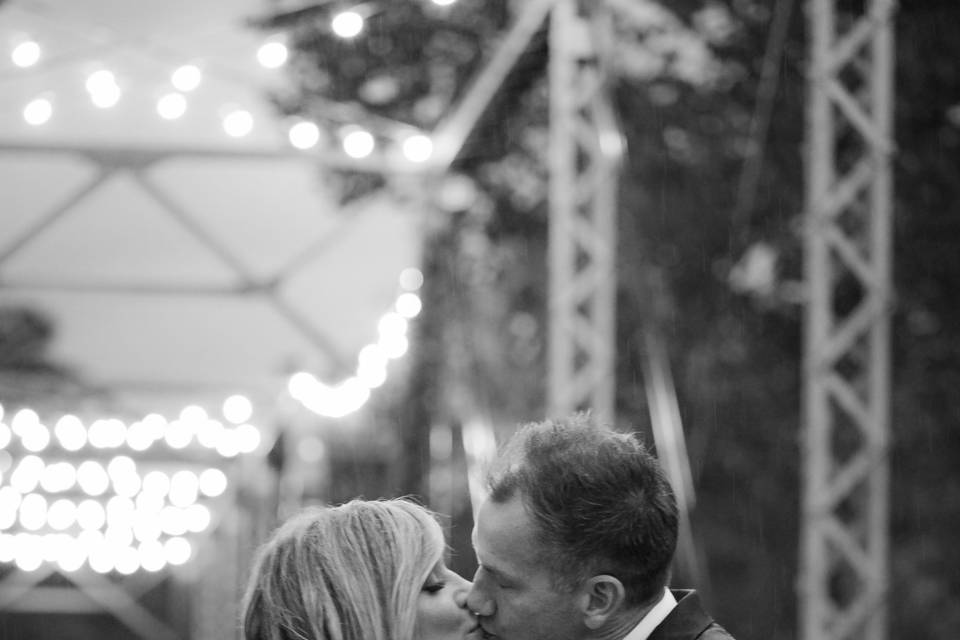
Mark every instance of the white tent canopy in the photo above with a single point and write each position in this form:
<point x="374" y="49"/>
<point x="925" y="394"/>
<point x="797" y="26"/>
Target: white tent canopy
<point x="179" y="264"/>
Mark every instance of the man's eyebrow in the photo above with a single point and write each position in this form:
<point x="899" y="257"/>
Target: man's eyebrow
<point x="497" y="573"/>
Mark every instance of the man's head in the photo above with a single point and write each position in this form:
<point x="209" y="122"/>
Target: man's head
<point x="579" y="530"/>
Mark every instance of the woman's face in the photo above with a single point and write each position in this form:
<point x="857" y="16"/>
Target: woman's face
<point x="442" y="608"/>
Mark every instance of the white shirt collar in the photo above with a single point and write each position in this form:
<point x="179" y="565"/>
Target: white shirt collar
<point x="653" y="618"/>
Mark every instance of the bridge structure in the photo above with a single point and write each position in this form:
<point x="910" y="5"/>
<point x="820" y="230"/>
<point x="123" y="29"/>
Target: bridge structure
<point x="843" y="583"/>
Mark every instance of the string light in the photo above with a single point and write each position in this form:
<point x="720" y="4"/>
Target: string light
<point x="304" y="135"/>
<point x="337" y="401"/>
<point x="92" y="478"/>
<point x="70" y="433"/>
<point x="91" y="515"/>
<point x="408" y="305"/>
<point x="177" y="550"/>
<point x="103" y="88"/>
<point x="24" y="420"/>
<point x="186" y="78"/>
<point x="192" y="414"/>
<point x="150" y="555"/>
<point x="350" y="395"/>
<point x="106" y="511"/>
<point x="237" y="122"/>
<point x="411" y="279"/>
<point x="372" y="366"/>
<point x="417" y="148"/>
<point x="347" y="24"/>
<point x="212" y="482"/>
<point x="105" y="92"/>
<point x="272" y="54"/>
<point x="36" y="438"/>
<point x="247" y="438"/>
<point x="26" y="54"/>
<point x="358" y="143"/>
<point x="111" y="436"/>
<point x="171" y="106"/>
<point x="237" y="409"/>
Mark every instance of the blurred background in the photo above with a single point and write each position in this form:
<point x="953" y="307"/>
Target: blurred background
<point x="261" y="254"/>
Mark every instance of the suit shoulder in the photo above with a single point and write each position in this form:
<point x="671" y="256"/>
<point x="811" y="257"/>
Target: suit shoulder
<point x="714" y="632"/>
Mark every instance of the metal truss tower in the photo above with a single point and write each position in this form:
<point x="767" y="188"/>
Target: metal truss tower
<point x="844" y="540"/>
<point x="585" y="149"/>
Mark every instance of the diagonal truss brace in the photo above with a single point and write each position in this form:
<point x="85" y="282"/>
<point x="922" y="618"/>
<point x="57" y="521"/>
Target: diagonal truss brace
<point x="89" y="593"/>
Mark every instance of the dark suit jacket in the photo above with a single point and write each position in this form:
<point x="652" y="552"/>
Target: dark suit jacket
<point x="688" y="621"/>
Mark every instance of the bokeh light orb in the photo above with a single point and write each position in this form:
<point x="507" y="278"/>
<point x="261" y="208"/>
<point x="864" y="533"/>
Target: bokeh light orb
<point x="347" y="24"/>
<point x="186" y="77"/>
<point x="26" y="54"/>
<point x="171" y="106"/>
<point x="358" y="143"/>
<point x="272" y="54"/>
<point x="304" y="135"/>
<point x="237" y="409"/>
<point x="417" y="148"/>
<point x="38" y="111"/>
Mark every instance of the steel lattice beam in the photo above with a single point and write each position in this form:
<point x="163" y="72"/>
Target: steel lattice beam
<point x="844" y="540"/>
<point x="585" y="148"/>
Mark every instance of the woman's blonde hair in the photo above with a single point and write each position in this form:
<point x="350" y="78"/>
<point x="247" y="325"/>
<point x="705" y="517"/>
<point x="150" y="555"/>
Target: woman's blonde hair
<point x="350" y="572"/>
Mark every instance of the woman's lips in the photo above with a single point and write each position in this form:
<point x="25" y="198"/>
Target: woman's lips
<point x="477" y="633"/>
<point x="486" y="635"/>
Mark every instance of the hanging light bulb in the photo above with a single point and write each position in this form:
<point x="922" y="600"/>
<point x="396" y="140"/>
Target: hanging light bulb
<point x="358" y="143"/>
<point x="171" y="106"/>
<point x="417" y="148"/>
<point x="26" y="54"/>
<point x="38" y="111"/>
<point x="177" y="550"/>
<point x="23" y="421"/>
<point x="100" y="80"/>
<point x="237" y="408"/>
<point x="237" y="123"/>
<point x="408" y="304"/>
<point x="212" y="482"/>
<point x="70" y="433"/>
<point x="411" y="279"/>
<point x="103" y="88"/>
<point x="186" y="78"/>
<point x="272" y="54"/>
<point x="304" y="135"/>
<point x="347" y="24"/>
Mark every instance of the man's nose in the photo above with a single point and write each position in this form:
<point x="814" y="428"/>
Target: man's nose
<point x="478" y="601"/>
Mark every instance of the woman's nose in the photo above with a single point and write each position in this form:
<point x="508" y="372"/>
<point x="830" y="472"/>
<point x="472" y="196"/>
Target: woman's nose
<point x="462" y="588"/>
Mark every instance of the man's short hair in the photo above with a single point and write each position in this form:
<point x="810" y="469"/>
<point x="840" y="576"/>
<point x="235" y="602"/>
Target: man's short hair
<point x="599" y="500"/>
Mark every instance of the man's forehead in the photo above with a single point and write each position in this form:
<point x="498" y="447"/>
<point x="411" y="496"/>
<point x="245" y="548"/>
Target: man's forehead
<point x="502" y="528"/>
<point x="506" y="545"/>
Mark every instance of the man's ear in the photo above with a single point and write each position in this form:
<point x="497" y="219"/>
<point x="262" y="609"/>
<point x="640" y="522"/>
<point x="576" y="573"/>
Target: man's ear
<point x="599" y="598"/>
